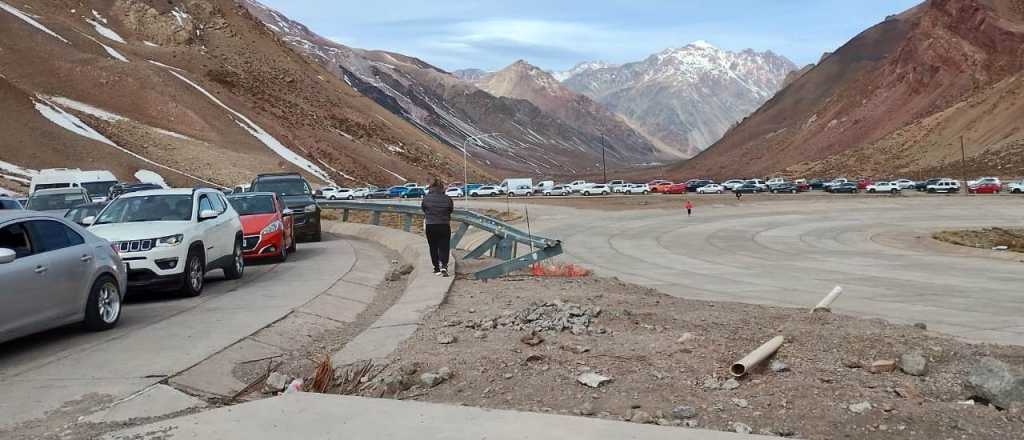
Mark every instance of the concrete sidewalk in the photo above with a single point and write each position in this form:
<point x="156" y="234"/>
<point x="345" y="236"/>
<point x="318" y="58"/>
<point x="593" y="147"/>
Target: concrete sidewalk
<point x="318" y="416"/>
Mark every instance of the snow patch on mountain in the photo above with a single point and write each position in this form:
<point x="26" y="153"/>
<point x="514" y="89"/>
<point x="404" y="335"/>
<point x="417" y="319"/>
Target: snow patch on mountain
<point x="585" y="66"/>
<point x="28" y="19"/>
<point x="105" y="31"/>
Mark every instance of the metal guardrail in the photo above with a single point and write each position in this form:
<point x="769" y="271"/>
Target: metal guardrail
<point x="501" y="244"/>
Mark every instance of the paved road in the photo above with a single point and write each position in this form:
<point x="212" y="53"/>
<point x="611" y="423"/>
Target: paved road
<point x="792" y="253"/>
<point x="160" y="335"/>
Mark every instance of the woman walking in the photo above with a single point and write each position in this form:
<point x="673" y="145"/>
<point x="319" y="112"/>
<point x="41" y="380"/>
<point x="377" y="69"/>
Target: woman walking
<point x="437" y="209"/>
<point x="689" y="208"/>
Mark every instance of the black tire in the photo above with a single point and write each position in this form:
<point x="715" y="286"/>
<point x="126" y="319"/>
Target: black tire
<point x="894" y="191"/>
<point x="97" y="318"/>
<point x="646" y="192"/>
<point x="871" y="191"/>
<point x="291" y="247"/>
<point x="192" y="286"/>
<point x="351" y="197"/>
<point x="237" y="268"/>
<point x="318" y="236"/>
<point x="283" y="256"/>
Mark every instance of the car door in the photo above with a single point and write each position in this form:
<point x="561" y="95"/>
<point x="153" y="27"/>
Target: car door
<point x="26" y="283"/>
<point x="206" y="229"/>
<point x="70" y="267"/>
<point x="222" y="226"/>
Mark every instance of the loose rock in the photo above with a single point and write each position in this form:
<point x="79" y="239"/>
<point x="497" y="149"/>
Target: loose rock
<point x="778" y="366"/>
<point x="859" y="408"/>
<point x="742" y="428"/>
<point x="730" y="384"/>
<point x="683" y="412"/>
<point x="882" y="366"/>
<point x="742" y="403"/>
<point x="431" y="380"/>
<point x="592" y="380"/>
<point x="532" y="339"/>
<point x="275" y="383"/>
<point x="914" y="363"/>
<point x="586" y="409"/>
<point x="997" y="382"/>
<point x="921" y="325"/>
<point x="446" y="339"/>
<point x="686" y="337"/>
<point x="641" y="417"/>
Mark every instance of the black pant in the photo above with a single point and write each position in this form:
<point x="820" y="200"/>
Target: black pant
<point x="439" y="238"/>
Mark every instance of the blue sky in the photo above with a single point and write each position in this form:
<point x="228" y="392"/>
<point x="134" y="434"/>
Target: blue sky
<point x="556" y="34"/>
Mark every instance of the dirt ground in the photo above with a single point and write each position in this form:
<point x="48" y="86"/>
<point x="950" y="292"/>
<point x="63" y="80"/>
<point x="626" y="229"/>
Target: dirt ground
<point x="662" y="352"/>
<point x="988" y="238"/>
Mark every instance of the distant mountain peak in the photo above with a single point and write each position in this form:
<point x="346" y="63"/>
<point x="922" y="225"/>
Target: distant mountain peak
<point x="702" y="44"/>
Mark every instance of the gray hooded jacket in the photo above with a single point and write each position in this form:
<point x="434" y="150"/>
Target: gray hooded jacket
<point x="437" y="208"/>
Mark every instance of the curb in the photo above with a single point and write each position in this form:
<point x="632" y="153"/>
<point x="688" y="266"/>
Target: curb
<point x="424" y="293"/>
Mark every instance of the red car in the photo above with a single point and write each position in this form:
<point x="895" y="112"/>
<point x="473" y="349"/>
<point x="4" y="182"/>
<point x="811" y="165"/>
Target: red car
<point x="658" y="186"/>
<point x="675" y="188"/>
<point x="985" y="188"/>
<point x="864" y="183"/>
<point x="267" y="226"/>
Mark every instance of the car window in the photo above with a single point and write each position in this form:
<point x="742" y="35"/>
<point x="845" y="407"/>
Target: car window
<point x="15" y="237"/>
<point x="204" y="203"/>
<point x="49" y="235"/>
<point x="218" y="204"/>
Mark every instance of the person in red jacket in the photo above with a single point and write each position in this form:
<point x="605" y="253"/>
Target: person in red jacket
<point x="689" y="208"/>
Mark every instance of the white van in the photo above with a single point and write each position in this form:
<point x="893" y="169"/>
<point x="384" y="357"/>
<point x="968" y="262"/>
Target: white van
<point x="543" y="186"/>
<point x="514" y="183"/>
<point x="52" y="178"/>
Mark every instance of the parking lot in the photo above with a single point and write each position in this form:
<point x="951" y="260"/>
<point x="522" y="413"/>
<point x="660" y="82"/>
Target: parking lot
<point x="791" y="250"/>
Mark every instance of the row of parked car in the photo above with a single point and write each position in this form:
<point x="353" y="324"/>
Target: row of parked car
<point x="66" y="259"/>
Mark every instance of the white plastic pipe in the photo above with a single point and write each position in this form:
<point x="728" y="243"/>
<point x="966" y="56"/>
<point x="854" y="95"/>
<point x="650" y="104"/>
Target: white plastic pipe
<point x="826" y="303"/>
<point x="757" y="356"/>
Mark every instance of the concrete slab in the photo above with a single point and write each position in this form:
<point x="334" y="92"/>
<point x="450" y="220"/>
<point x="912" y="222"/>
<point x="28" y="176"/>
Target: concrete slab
<point x="354" y="292"/>
<point x="155" y="401"/>
<point x="298" y="329"/>
<point x="318" y="416"/>
<point x="374" y="343"/>
<point x="213" y="376"/>
<point x="334" y="308"/>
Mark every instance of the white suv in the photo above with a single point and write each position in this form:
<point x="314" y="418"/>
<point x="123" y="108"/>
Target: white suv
<point x="599" y="189"/>
<point x="173" y="237"/>
<point x="944" y="186"/>
<point x="1015" y="187"/>
<point x="338" y="193"/>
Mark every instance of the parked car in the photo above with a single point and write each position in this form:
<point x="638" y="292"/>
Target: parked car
<point x="748" y="188"/>
<point x="171" y="238"/>
<point x="578" y="185"/>
<point x="411" y="185"/>
<point x="360" y="193"/>
<point x="599" y="189"/>
<point x="485" y="191"/>
<point x="57" y="201"/>
<point x="658" y="186"/>
<point x="454" y="192"/>
<point x="816" y="184"/>
<point x="923" y="184"/>
<point x="904" y="184"/>
<point x="984" y="180"/>
<point x="268" y="230"/>
<point x="520" y="191"/>
<point x="123" y="188"/>
<point x="7" y="203"/>
<point x="415" y="193"/>
<point x="802" y="185"/>
<point x="297" y="195"/>
<point x="785" y="187"/>
<point x="713" y="188"/>
<point x="883" y="187"/>
<point x="944" y="186"/>
<point x="380" y="193"/>
<point x="863" y="183"/>
<point x="847" y="188"/>
<point x="56" y="273"/>
<point x="695" y="184"/>
<point x="637" y="188"/>
<point x="1015" y="187"/>
<point x="81" y="212"/>
<point x="985" y="188"/>
<point x="759" y="183"/>
<point x="397" y="191"/>
<point x="827" y="186"/>
<point x="675" y="188"/>
<point x="338" y="194"/>
<point x="558" y="190"/>
<point x="616" y="185"/>
<point x="732" y="184"/>
<point x="775" y="181"/>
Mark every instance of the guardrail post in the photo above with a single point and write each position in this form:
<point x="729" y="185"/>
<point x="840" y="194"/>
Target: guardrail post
<point x="482" y="248"/>
<point x="459" y="233"/>
<point x="407" y="223"/>
<point x="503" y="251"/>
<point x="375" y="218"/>
<point x="344" y="215"/>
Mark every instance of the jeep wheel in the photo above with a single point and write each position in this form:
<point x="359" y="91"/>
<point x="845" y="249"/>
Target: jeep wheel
<point x="237" y="267"/>
<point x="194" y="275"/>
<point x="318" y="235"/>
<point x="103" y="309"/>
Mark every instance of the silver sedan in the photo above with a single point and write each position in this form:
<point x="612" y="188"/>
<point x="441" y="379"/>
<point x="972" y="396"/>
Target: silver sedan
<point x="55" y="273"/>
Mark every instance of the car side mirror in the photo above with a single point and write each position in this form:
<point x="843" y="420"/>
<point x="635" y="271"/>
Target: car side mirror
<point x="7" y="256"/>
<point x="88" y="221"/>
<point x="207" y="214"/>
<point x="287" y="212"/>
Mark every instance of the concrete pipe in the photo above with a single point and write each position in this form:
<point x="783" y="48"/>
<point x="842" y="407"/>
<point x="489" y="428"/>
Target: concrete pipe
<point x="755" y="357"/>
<point x="826" y="303"/>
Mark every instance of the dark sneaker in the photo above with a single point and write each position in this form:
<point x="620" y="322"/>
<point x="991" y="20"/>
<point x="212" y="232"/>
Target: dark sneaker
<point x="437" y="272"/>
<point x="444" y="272"/>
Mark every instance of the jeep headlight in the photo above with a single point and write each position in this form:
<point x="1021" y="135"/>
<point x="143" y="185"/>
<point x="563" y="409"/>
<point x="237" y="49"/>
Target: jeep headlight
<point x="310" y="208"/>
<point x="170" y="240"/>
<point x="271" y="228"/>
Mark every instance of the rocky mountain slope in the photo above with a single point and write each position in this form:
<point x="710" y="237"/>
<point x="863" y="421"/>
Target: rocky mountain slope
<point x="530" y="140"/>
<point x="895" y="100"/>
<point x="524" y="81"/>
<point x="686" y="98"/>
<point x="197" y="91"/>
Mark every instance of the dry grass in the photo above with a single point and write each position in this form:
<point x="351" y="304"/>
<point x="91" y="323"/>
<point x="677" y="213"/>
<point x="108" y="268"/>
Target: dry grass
<point x="987" y="238"/>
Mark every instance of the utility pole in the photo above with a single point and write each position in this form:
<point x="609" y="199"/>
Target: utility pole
<point x="604" y="162"/>
<point x="963" y="164"/>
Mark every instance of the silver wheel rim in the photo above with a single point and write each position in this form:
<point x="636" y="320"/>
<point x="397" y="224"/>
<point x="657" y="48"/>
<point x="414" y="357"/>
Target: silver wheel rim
<point x="195" y="274"/>
<point x="239" y="260"/>
<point x="109" y="302"/>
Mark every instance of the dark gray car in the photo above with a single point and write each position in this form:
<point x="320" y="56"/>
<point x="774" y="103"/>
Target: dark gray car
<point x="57" y="201"/>
<point x="55" y="273"/>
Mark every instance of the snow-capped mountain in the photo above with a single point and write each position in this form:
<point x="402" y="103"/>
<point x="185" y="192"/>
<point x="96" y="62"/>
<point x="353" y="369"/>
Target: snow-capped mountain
<point x="585" y="66"/>
<point x="686" y="98"/>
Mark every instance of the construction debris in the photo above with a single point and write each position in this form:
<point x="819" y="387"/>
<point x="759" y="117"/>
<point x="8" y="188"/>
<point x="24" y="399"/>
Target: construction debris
<point x="592" y="380"/>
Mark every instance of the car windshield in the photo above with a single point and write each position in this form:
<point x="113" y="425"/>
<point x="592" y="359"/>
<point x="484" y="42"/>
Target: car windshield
<point x="98" y="189"/>
<point x="77" y="214"/>
<point x="284" y="187"/>
<point x="164" y="207"/>
<point x="256" y="204"/>
<point x="54" y="202"/>
<point x="9" y="204"/>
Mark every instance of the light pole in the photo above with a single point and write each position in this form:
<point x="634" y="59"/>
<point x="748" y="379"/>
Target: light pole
<point x="465" y="162"/>
<point x="604" y="163"/>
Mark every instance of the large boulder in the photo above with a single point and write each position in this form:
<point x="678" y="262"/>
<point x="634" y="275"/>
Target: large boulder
<point x="998" y="382"/>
